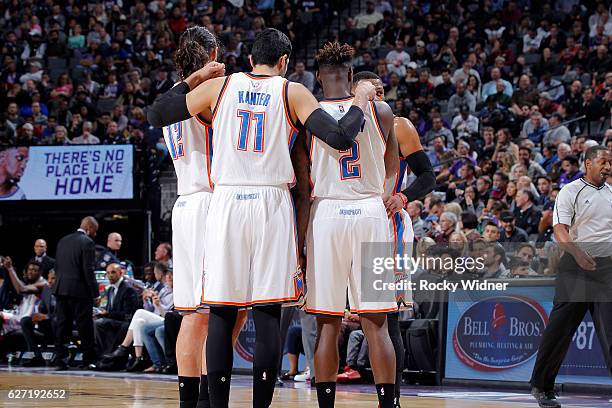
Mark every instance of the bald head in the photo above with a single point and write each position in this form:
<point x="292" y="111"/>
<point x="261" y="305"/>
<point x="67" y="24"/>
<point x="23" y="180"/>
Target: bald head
<point x="90" y="226"/>
<point x="114" y="240"/>
<point x="40" y="247"/>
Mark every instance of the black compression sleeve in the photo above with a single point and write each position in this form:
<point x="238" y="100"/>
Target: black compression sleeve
<point x="425" y="179"/>
<point x="170" y="107"/>
<point x="337" y="134"/>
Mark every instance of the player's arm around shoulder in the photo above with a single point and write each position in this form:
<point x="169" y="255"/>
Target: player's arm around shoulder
<point x="205" y="96"/>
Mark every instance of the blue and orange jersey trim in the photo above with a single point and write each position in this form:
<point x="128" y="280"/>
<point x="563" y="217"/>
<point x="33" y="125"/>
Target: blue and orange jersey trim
<point x="292" y="124"/>
<point x="400" y="175"/>
<point x="220" y="98"/>
<point x="377" y="123"/>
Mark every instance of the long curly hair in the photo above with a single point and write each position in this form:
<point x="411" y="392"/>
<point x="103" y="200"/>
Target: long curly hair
<point x="194" y="49"/>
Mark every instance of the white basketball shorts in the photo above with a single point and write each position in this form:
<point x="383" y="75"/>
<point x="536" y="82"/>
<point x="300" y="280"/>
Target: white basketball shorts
<point x="188" y="232"/>
<point x="251" y="247"/>
<point x="402" y="236"/>
<point x="336" y="232"/>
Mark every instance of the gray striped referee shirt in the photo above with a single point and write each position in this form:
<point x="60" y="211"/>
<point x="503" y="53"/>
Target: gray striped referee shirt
<point x="587" y="210"/>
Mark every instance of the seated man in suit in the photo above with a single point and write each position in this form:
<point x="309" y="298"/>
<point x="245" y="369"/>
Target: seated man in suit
<point x="40" y="322"/>
<point x="111" y="324"/>
<point x="40" y="255"/>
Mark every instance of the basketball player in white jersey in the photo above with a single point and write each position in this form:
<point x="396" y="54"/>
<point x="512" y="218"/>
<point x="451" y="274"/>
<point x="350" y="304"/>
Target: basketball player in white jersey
<point x="348" y="211"/>
<point x="189" y="143"/>
<point x="250" y="245"/>
<point x="412" y="158"/>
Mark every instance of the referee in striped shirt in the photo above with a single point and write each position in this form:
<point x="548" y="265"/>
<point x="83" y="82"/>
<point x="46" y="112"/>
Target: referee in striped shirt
<point x="582" y="223"/>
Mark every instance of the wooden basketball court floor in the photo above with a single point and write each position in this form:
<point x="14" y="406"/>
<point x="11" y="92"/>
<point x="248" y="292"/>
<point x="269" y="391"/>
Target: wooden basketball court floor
<point x="91" y="390"/>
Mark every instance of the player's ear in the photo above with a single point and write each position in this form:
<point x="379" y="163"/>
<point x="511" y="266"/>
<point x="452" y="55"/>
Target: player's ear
<point x="350" y="76"/>
<point x="213" y="54"/>
<point x="318" y="76"/>
<point x="251" y="61"/>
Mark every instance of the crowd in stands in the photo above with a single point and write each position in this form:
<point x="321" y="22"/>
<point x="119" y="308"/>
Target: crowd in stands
<point x="129" y="311"/>
<point x="506" y="97"/>
<point x="81" y="73"/>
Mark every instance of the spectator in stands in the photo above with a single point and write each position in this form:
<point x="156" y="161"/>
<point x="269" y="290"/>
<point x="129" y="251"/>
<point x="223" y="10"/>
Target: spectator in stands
<point x="86" y="137"/>
<point x="415" y="208"/>
<point x="557" y="132"/>
<point x="60" y="137"/>
<point x="469" y="225"/>
<point x="462" y="74"/>
<point x="148" y="319"/>
<point x="445" y="89"/>
<point x="464" y="124"/>
<point x="462" y="97"/>
<point x="302" y="76"/>
<point x="525" y="95"/>
<point x="110" y="254"/>
<point x="356" y="350"/>
<point x="494" y="258"/>
<point x="295" y="347"/>
<point x="526" y="214"/>
<point x="525" y="160"/>
<point x="40" y="256"/>
<point x="112" y="322"/>
<point x="571" y="170"/>
<point x="447" y="225"/>
<point x="490" y="232"/>
<point x="163" y="254"/>
<point x="397" y="59"/>
<point x="490" y="88"/>
<point x="370" y="16"/>
<point x="552" y="86"/>
<point x="439" y="132"/>
<point x="511" y="233"/>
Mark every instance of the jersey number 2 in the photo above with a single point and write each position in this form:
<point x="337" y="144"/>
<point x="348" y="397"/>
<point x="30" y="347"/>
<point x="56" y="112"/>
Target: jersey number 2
<point x="246" y="117"/>
<point x="349" y="169"/>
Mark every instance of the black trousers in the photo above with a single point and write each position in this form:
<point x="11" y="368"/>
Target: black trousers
<point x="172" y="325"/>
<point x="108" y="334"/>
<point x="572" y="301"/>
<point x="67" y="310"/>
<point x="45" y="327"/>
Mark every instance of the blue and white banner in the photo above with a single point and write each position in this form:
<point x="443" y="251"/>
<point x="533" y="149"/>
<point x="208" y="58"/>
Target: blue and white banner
<point x="66" y="173"/>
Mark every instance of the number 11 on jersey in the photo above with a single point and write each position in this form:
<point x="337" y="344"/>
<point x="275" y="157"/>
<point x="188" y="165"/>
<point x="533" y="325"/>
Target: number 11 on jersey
<point x="246" y="117"/>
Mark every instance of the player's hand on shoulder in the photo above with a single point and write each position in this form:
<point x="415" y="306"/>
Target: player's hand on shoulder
<point x="211" y="70"/>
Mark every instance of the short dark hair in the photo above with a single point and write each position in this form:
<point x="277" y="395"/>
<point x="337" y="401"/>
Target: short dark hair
<point x="573" y="159"/>
<point x="269" y="46"/>
<point x="469" y="220"/>
<point x="360" y="76"/>
<point x="334" y="54"/>
<point x="503" y="175"/>
<point x="591" y="152"/>
<point x="33" y="263"/>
